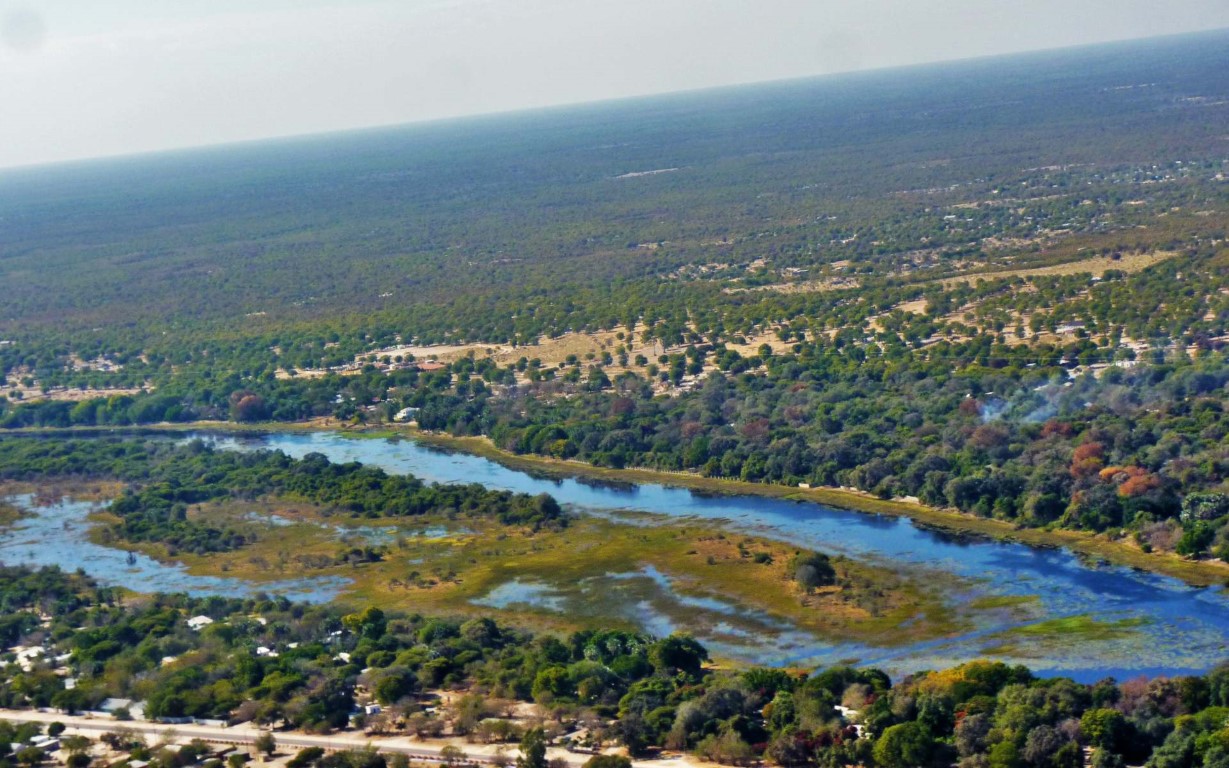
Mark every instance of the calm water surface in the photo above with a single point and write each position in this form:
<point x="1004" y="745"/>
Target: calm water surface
<point x="1173" y="628"/>
<point x="57" y="534"/>
<point x="1184" y="629"/>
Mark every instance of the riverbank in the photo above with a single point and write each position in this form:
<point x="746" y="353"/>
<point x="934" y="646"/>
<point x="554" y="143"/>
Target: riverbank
<point x="636" y="566"/>
<point x="615" y="568"/>
<point x="644" y="551"/>
<point x="1201" y="573"/>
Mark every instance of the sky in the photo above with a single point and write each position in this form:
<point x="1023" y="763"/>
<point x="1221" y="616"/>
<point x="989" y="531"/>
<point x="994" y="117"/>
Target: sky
<point x="89" y="78"/>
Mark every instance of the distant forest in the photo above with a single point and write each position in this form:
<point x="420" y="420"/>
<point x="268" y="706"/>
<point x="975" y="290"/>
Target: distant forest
<point x="997" y="286"/>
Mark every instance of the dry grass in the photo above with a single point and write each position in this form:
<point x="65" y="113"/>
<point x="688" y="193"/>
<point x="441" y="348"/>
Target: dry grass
<point x="806" y="286"/>
<point x="552" y="352"/>
<point x="753" y="341"/>
<point x="70" y="488"/>
<point x="446" y="574"/>
<point x="282" y="373"/>
<point x="915" y="307"/>
<point x="1097" y="266"/>
<point x="63" y="394"/>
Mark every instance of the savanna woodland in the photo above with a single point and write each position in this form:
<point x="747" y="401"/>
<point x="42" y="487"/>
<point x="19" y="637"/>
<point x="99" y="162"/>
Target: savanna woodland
<point x="989" y="292"/>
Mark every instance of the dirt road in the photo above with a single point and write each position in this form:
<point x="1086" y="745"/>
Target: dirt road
<point x="289" y="741"/>
<point x="246" y="736"/>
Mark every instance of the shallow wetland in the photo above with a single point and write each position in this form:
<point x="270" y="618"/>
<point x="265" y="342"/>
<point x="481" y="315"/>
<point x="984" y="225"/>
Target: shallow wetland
<point x="668" y="559"/>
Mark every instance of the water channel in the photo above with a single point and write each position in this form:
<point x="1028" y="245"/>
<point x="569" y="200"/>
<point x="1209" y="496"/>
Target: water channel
<point x="1158" y="625"/>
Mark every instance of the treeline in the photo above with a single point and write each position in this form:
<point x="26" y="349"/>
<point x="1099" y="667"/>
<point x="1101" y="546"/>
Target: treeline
<point x="995" y="431"/>
<point x="476" y="244"/>
<point x="166" y="478"/>
<point x="1140" y="448"/>
<point x="989" y="428"/>
<point x="281" y="664"/>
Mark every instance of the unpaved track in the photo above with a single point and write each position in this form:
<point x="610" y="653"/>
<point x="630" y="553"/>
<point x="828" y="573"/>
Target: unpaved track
<point x="244" y="735"/>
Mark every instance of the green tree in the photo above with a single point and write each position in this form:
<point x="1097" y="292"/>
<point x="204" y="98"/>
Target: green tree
<point x="635" y="734"/>
<point x="1005" y="754"/>
<point x="1177" y="751"/>
<point x="1103" y="728"/>
<point x="395" y="684"/>
<point x="1104" y="758"/>
<point x="728" y="748"/>
<point x="78" y="760"/>
<point x="75" y="744"/>
<point x="907" y="745"/>
<point x="813" y="570"/>
<point x="265" y="743"/>
<point x="370" y="623"/>
<point x="678" y="653"/>
<point x="305" y="757"/>
<point x="608" y="761"/>
<point x="1068" y="755"/>
<point x="551" y="684"/>
<point x="533" y="749"/>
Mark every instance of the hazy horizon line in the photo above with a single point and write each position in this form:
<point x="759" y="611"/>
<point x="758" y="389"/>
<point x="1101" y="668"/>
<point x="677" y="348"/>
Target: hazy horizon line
<point x="571" y="105"/>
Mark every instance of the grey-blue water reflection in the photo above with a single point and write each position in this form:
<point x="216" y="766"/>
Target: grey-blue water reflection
<point x="1183" y="628"/>
<point x="1155" y="624"/>
<point x="57" y="533"/>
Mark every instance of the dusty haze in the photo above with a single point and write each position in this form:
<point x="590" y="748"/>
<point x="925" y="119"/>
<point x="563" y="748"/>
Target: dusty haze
<point x="84" y="78"/>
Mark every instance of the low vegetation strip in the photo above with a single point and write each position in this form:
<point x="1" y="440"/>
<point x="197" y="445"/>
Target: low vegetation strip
<point x="247" y="516"/>
<point x="165" y="479"/>
<point x="296" y="670"/>
<point x="1095" y="266"/>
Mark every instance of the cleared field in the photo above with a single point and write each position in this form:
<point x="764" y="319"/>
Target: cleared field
<point x="550" y="351"/>
<point x="808" y="286"/>
<point x="916" y="307"/>
<point x="65" y="394"/>
<point x="1096" y="266"/>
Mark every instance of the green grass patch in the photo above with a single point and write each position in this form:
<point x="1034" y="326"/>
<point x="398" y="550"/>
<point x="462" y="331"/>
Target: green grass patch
<point x="997" y="602"/>
<point x="1046" y="638"/>
<point x="447" y="574"/>
<point x="1082" y="627"/>
<point x="1199" y="573"/>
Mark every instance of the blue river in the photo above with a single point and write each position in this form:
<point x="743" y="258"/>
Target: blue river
<point x="1174" y="628"/>
<point x="1144" y="624"/>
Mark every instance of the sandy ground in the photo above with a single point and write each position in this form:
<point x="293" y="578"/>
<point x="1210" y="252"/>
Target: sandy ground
<point x="807" y="286"/>
<point x="292" y="741"/>
<point x="552" y="352"/>
<point x="1130" y="262"/>
<point x="915" y="307"/>
<point x="35" y="395"/>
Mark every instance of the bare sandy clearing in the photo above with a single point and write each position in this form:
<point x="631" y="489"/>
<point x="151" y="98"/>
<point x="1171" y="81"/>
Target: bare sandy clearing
<point x="752" y="347"/>
<point x="916" y="307"/>
<point x="314" y="373"/>
<point x="638" y="174"/>
<point x="551" y="352"/>
<point x="1097" y="266"/>
<point x="62" y="394"/>
<point x="807" y="286"/>
<point x="441" y="352"/>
